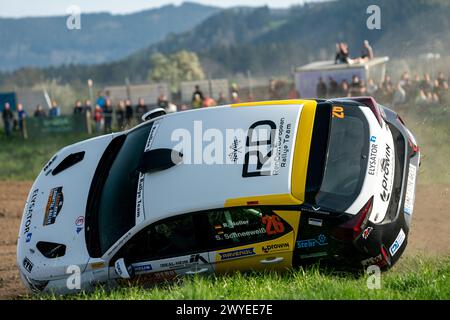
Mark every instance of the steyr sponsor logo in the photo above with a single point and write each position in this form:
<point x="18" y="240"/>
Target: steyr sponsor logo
<point x="29" y="214"/>
<point x="386" y="170"/>
<point x="398" y="242"/>
<point x="321" y="240"/>
<point x="54" y="205"/>
<point x="237" y="253"/>
<point x="373" y="159"/>
<point x="27" y="264"/>
<point x="275" y="247"/>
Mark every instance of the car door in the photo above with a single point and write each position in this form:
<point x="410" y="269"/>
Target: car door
<point x="165" y="250"/>
<point x="251" y="238"/>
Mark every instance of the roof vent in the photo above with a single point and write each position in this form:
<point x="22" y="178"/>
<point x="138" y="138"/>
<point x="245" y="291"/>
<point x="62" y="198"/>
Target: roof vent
<point x="69" y="161"/>
<point x="159" y="159"/>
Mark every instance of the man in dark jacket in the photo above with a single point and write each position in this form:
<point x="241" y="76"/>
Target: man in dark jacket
<point x="141" y="108"/>
<point x="107" y="114"/>
<point x="8" y="119"/>
<point x="128" y="112"/>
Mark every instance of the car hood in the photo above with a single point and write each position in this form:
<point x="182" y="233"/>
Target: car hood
<point x="54" y="213"/>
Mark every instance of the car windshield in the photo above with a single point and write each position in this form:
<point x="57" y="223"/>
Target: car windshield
<point x="111" y="209"/>
<point x="344" y="160"/>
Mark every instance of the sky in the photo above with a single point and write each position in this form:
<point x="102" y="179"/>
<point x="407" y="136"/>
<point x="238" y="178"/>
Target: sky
<point x="27" y="8"/>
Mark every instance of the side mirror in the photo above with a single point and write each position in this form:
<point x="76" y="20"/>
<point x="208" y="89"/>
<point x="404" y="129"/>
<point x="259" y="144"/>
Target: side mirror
<point x="122" y="270"/>
<point x="152" y="114"/>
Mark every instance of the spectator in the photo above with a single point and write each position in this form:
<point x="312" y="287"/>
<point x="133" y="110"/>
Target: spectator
<point x="197" y="102"/>
<point x="341" y="53"/>
<point x="372" y="88"/>
<point x="78" y="109"/>
<point x="55" y="110"/>
<point x="367" y="52"/>
<point x="171" y="108"/>
<point x="235" y="97"/>
<point x="197" y="94"/>
<point x="87" y="106"/>
<point x="8" y="119"/>
<point x="107" y="115"/>
<point x="141" y="109"/>
<point x="221" y="101"/>
<point x="121" y="115"/>
<point x="21" y="115"/>
<point x="128" y="112"/>
<point x="234" y="89"/>
<point x="162" y="102"/>
<point x="344" y="89"/>
<point x="321" y="89"/>
<point x="441" y="78"/>
<point x="293" y="93"/>
<point x="98" y="118"/>
<point x="426" y="84"/>
<point x="333" y="87"/>
<point x="208" y="102"/>
<point x="39" y="112"/>
<point x="399" y="95"/>
<point x="100" y="100"/>
<point x="357" y="87"/>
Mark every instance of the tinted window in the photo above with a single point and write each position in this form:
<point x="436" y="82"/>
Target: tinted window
<point x="239" y="226"/>
<point x="177" y="236"/>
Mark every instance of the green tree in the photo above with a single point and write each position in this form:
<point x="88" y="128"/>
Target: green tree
<point x="175" y="68"/>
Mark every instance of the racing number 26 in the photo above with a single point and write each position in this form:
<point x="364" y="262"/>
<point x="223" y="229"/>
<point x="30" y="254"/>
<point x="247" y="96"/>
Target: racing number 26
<point x="338" y="112"/>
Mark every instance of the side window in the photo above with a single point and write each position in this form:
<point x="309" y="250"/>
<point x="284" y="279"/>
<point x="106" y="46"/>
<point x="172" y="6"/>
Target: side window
<point x="172" y="237"/>
<point x="239" y="226"/>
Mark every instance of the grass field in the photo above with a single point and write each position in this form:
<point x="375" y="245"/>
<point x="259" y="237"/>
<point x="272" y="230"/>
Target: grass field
<point x="411" y="278"/>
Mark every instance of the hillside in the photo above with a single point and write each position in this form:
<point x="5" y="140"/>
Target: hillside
<point x="271" y="42"/>
<point x="103" y="37"/>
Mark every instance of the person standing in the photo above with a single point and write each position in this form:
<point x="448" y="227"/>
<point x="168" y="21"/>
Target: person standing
<point x="141" y="109"/>
<point x="39" y="112"/>
<point x="87" y="106"/>
<point x="78" y="109"/>
<point x="21" y="115"/>
<point x="321" y="89"/>
<point x="120" y="115"/>
<point x="128" y="112"/>
<point x="55" y="110"/>
<point x="8" y="119"/>
<point x="107" y="114"/>
<point x="98" y="118"/>
<point x="197" y="95"/>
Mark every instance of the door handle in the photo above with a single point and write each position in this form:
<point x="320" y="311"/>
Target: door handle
<point x="272" y="260"/>
<point x="197" y="271"/>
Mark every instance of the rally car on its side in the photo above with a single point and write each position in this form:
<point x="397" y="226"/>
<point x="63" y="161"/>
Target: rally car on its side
<point x="265" y="185"/>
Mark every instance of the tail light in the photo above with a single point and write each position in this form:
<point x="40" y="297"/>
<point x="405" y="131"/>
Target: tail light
<point x="351" y="229"/>
<point x="414" y="148"/>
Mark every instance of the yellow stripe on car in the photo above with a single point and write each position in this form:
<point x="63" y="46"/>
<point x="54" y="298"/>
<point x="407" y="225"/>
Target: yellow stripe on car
<point x="270" y="103"/>
<point x="267" y="200"/>
<point x="301" y="151"/>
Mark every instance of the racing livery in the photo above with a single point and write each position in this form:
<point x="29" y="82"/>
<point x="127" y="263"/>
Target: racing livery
<point x="251" y="186"/>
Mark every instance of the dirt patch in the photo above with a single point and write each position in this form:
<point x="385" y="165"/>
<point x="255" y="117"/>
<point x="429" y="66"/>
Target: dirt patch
<point x="430" y="233"/>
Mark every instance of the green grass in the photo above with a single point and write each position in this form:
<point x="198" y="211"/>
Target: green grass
<point x="24" y="159"/>
<point x="411" y="278"/>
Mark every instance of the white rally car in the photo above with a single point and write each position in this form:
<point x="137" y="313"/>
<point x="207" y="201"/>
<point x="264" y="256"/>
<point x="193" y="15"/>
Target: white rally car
<point x="252" y="186"/>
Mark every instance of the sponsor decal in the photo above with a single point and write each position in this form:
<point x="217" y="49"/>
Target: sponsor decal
<point x="236" y="149"/>
<point x="410" y="187"/>
<point x="386" y="169"/>
<point x="27" y="264"/>
<point x="196" y="258"/>
<point x="150" y="278"/>
<point x="377" y="260"/>
<point x="315" y="222"/>
<point x="49" y="164"/>
<point x="151" y="135"/>
<point x="237" y="253"/>
<point x="275" y="247"/>
<point x="373" y="159"/>
<point x="367" y="232"/>
<point x="54" y="205"/>
<point x="143" y="268"/>
<point x="140" y="198"/>
<point x="273" y="224"/>
<point x="237" y="235"/>
<point x="373" y="139"/>
<point x="29" y="215"/>
<point x="79" y="223"/>
<point x="321" y="240"/>
<point x="218" y="229"/>
<point x="28" y="237"/>
<point x="397" y="243"/>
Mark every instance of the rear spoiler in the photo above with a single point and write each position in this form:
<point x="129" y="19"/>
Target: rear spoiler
<point x="372" y="104"/>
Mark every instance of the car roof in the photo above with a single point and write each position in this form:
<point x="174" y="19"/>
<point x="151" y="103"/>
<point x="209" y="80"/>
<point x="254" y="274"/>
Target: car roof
<point x="203" y="182"/>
